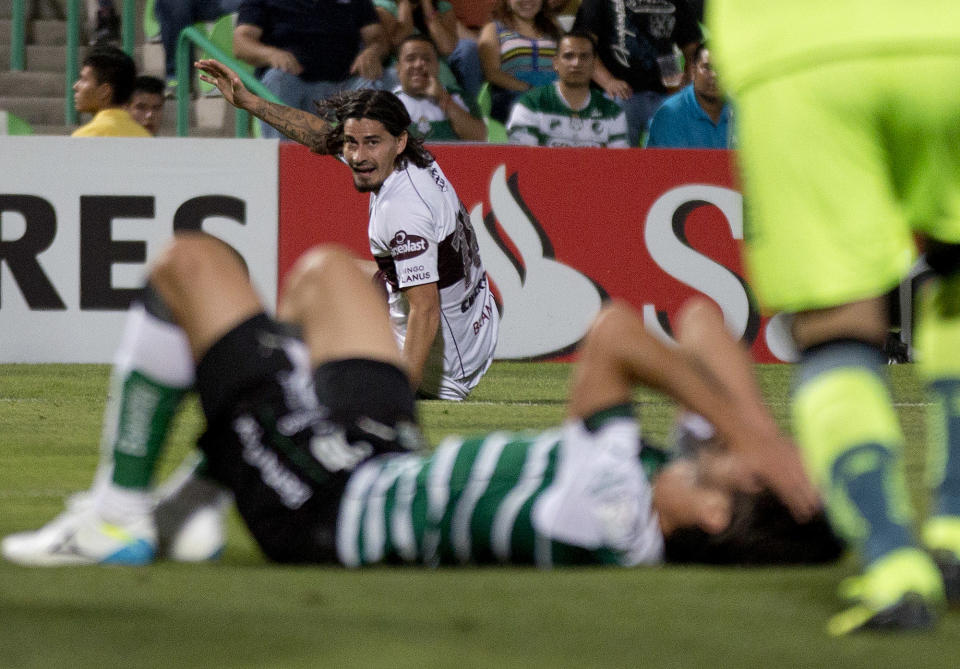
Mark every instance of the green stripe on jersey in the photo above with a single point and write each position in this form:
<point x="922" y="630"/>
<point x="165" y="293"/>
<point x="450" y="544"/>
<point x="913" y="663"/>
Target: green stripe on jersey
<point x="471" y="501"/>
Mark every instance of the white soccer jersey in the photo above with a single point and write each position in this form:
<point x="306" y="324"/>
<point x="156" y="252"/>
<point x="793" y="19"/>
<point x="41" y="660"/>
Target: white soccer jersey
<point x="420" y="233"/>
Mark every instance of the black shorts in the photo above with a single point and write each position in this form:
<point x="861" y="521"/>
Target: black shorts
<point x="285" y="438"/>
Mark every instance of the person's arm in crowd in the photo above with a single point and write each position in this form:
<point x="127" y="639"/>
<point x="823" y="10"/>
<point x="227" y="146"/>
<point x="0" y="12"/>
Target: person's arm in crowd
<point x="376" y="47"/>
<point x="248" y="48"/>
<point x="442" y="26"/>
<point x="300" y="126"/>
<point x="615" y="88"/>
<point x="522" y="125"/>
<point x="422" y="324"/>
<point x="404" y="22"/>
<point x="467" y="126"/>
<point x="489" y="47"/>
<point x="689" y="52"/>
<point x="590" y="17"/>
<point x="391" y="27"/>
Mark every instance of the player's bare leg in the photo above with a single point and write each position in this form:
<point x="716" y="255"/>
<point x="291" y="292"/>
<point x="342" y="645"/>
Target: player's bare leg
<point x="341" y="313"/>
<point x="205" y="285"/>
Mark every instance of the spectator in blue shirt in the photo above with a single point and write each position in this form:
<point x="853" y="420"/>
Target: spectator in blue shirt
<point x="696" y="117"/>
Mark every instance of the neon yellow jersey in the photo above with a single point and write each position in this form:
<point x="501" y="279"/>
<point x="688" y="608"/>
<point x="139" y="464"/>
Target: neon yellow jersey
<point x="753" y="40"/>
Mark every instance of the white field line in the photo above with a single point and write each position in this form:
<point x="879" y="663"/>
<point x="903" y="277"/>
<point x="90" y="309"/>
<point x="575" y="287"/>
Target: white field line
<point x="558" y="401"/>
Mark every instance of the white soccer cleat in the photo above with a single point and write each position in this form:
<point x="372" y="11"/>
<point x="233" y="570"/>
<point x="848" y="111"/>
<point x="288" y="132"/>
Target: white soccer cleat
<point x="191" y="518"/>
<point x="80" y="536"/>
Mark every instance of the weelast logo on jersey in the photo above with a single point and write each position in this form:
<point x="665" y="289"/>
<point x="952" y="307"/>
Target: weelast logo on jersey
<point x="404" y="246"/>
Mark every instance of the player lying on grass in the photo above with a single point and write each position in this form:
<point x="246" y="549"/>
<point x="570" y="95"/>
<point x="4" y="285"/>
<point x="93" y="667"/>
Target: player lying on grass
<point x="317" y="438"/>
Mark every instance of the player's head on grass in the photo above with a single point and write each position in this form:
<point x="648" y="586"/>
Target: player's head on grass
<point x="369" y="128"/>
<point x="761" y="532"/>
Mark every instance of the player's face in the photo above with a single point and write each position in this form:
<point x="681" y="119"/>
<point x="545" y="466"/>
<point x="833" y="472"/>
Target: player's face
<point x="147" y="110"/>
<point x="704" y="78"/>
<point x="89" y="95"/>
<point x="683" y="500"/>
<point x="417" y="64"/>
<point x="574" y="61"/>
<point x="371" y="152"/>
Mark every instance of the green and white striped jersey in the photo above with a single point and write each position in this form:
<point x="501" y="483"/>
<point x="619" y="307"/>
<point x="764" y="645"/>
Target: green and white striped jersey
<point x="541" y="117"/>
<point x="562" y="496"/>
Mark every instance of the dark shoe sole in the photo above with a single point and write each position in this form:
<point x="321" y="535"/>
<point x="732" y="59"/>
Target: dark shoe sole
<point x="912" y="613"/>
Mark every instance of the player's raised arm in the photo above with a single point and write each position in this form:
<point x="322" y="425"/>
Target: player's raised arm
<point x="300" y="126"/>
<point x="618" y="353"/>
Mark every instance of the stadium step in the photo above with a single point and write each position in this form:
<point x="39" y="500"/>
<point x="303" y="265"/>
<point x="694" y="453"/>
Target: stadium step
<point x="42" y="31"/>
<point x="32" y="84"/>
<point x="38" y="58"/>
<point x="37" y="110"/>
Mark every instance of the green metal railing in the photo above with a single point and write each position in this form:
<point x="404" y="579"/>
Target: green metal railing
<point x="128" y="26"/>
<point x="18" y="35"/>
<point x="72" y="69"/>
<point x="190" y="36"/>
<point x="128" y="36"/>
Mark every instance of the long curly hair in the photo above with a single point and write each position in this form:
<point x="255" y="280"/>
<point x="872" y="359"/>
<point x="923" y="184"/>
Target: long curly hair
<point x="375" y="105"/>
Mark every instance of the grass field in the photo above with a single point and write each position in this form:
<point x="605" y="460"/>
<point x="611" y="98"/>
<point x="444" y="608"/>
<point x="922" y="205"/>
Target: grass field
<point x="244" y="612"/>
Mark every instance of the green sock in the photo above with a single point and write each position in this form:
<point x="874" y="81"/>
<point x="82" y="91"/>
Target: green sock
<point x="145" y="412"/>
<point x="152" y="372"/>
<point x="851" y="439"/>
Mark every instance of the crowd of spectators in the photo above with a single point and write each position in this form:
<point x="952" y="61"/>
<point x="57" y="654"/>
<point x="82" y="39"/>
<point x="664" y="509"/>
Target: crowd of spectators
<point x="464" y="66"/>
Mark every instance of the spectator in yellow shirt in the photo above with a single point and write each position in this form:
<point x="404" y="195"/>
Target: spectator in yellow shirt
<point x="106" y="81"/>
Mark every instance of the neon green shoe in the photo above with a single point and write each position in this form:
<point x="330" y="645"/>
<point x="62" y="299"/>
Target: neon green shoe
<point x="941" y="537"/>
<point x="899" y="592"/>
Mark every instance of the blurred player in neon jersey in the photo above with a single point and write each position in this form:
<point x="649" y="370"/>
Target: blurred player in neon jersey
<point x="850" y="145"/>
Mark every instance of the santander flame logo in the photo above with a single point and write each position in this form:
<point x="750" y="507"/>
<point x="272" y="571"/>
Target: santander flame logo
<point x="546" y="306"/>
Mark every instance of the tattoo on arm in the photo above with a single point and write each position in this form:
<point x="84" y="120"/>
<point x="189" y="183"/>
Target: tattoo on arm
<point x="300" y="126"/>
